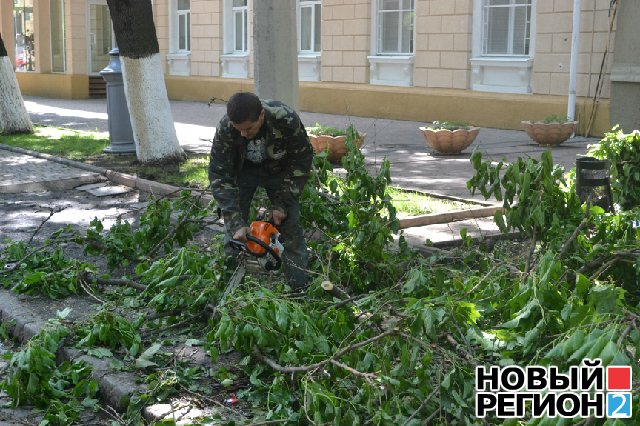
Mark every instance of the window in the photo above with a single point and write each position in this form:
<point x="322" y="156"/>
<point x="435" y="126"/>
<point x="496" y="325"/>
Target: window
<point x="506" y="27"/>
<point x="392" y="46"/>
<point x="184" y="25"/>
<point x="57" y="35"/>
<point x="309" y="26"/>
<point x="235" y="60"/>
<point x="239" y="12"/>
<point x="395" y="27"/>
<point x="25" y="38"/>
<point x="503" y="45"/>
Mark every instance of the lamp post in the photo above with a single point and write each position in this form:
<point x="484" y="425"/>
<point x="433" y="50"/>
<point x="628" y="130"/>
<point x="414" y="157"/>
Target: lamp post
<point x="121" y="139"/>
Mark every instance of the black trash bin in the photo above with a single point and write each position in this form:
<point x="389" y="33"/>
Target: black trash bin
<point x="593" y="182"/>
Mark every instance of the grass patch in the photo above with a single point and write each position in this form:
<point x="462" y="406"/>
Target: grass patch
<point x="87" y="146"/>
<point x="411" y="203"/>
<point x="191" y="173"/>
<point x="67" y="143"/>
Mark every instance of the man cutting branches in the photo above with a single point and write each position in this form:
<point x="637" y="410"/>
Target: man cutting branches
<point x="262" y="143"/>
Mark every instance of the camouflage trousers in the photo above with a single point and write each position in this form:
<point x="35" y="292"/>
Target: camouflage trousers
<point x="295" y="260"/>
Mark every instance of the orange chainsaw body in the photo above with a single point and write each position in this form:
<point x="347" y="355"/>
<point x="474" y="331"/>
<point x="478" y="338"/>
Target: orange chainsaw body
<point x="268" y="234"/>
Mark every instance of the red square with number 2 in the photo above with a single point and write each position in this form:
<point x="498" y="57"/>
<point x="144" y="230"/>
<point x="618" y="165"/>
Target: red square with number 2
<point x="618" y="378"/>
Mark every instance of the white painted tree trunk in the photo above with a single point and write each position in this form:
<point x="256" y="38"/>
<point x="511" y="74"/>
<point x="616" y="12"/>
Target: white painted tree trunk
<point x="151" y="119"/>
<point x="14" y="117"/>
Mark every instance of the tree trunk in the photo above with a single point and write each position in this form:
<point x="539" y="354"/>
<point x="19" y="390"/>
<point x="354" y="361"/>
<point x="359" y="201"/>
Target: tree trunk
<point x="151" y="119"/>
<point x="14" y="117"/>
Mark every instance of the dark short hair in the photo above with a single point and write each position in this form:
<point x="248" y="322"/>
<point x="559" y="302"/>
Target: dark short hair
<point x="243" y="106"/>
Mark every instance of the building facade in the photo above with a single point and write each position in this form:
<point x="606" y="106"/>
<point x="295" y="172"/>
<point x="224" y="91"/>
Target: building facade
<point x="492" y="63"/>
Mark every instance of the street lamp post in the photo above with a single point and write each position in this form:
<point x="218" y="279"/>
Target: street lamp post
<point x="121" y="139"/>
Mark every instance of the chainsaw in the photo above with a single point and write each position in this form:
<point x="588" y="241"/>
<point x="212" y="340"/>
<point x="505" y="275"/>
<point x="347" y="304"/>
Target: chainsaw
<point x="263" y="245"/>
<point x="261" y="252"/>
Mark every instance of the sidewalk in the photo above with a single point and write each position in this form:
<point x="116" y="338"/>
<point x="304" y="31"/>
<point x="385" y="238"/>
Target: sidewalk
<point x="414" y="165"/>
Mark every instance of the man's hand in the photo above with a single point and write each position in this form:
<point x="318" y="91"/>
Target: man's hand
<point x="241" y="234"/>
<point x="278" y="217"/>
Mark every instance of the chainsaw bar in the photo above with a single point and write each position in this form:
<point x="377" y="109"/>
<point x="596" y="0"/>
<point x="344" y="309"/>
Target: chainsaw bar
<point x="234" y="283"/>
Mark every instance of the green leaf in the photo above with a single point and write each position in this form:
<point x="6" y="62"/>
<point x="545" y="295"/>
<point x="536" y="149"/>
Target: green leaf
<point x="63" y="314"/>
<point x="144" y="360"/>
<point x="100" y="352"/>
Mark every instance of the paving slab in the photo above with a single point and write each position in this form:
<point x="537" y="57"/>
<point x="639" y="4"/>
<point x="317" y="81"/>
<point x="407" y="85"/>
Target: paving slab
<point x="106" y="190"/>
<point x="24" y="173"/>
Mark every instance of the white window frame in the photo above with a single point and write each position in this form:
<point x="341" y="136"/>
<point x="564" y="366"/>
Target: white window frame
<point x="308" y="4"/>
<point x="64" y="41"/>
<point x="512" y="6"/>
<point x="308" y="60"/>
<point x="243" y="11"/>
<point x="500" y="73"/>
<point x="235" y="63"/>
<point x="379" y="35"/>
<point x="390" y="68"/>
<point x="179" y="60"/>
<point x="186" y="15"/>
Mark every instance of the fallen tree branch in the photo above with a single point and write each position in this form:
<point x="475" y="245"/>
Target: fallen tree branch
<point x="51" y="213"/>
<point x="112" y="281"/>
<point x="434" y="218"/>
<point x="426" y="400"/>
<point x="369" y="377"/>
<point x="17" y="264"/>
<point x="174" y="230"/>
<point x="84" y="286"/>
<point x="532" y="249"/>
<point x="335" y="291"/>
<point x="567" y="245"/>
<point x="465" y="354"/>
<point x="304" y="368"/>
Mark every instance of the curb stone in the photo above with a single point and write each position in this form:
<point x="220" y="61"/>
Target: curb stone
<point x="116" y="387"/>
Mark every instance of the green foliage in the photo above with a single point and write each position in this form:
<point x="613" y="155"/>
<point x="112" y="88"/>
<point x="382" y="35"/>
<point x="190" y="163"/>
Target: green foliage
<point x="393" y="368"/>
<point x="623" y="152"/>
<point x="46" y="272"/>
<point x="33" y="378"/>
<point x="449" y="125"/>
<point x="358" y="216"/>
<point x="553" y="118"/>
<point x="123" y="243"/>
<point x="110" y="330"/>
<point x="536" y="196"/>
<point x="185" y="281"/>
<point x="350" y="131"/>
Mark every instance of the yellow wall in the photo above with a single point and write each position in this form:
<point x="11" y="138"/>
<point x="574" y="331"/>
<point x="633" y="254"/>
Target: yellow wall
<point x="54" y="85"/>
<point x="502" y="111"/>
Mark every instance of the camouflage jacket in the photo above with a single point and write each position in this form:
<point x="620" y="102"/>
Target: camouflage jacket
<point x="289" y="154"/>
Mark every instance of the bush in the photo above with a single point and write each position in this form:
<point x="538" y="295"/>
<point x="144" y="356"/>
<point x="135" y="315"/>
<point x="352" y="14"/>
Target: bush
<point x="623" y="151"/>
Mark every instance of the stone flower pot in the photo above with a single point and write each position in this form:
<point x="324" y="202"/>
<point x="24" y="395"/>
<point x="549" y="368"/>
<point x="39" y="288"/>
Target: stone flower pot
<point x="450" y="142"/>
<point x="335" y="145"/>
<point x="549" y="134"/>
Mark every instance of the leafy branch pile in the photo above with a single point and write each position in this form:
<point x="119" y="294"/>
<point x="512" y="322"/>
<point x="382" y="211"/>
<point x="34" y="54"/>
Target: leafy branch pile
<point x="383" y="336"/>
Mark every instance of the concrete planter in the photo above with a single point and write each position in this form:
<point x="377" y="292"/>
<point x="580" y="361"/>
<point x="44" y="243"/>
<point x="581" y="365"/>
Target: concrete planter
<point x="335" y="145"/>
<point x="549" y="134"/>
<point x="450" y="142"/>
